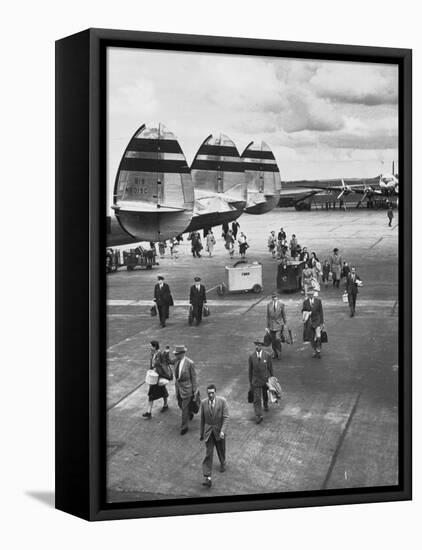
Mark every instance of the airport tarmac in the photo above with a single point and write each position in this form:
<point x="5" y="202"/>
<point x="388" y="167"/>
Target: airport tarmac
<point x="336" y="426"/>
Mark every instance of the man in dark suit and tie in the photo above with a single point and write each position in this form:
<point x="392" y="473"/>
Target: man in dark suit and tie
<point x="214" y="419"/>
<point x="163" y="299"/>
<point x="185" y="384"/>
<point x="197" y="299"/>
<point x="260" y="369"/>
<point x="352" y="283"/>
<point x="313" y="315"/>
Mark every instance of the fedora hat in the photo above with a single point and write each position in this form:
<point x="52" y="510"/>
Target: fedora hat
<point x="180" y="349"/>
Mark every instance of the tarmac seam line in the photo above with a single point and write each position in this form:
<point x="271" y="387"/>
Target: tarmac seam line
<point x="255" y="304"/>
<point x="125" y="396"/>
<point x="375" y="243"/>
<point x="340" y="442"/>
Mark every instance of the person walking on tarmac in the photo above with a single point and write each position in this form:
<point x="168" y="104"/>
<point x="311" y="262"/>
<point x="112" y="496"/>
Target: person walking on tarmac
<point x="214" y="420"/>
<point x="159" y="362"/>
<point x="352" y="283"/>
<point x="235" y="228"/>
<point x="276" y="319"/>
<point x="390" y="214"/>
<point x="163" y="299"/>
<point x="336" y="265"/>
<point x="185" y="384"/>
<point x="260" y="369"/>
<point x="197" y="299"/>
<point x="313" y="318"/>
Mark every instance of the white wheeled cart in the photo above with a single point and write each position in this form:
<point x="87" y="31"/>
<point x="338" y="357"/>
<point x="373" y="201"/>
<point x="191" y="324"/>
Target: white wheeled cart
<point x="242" y="277"/>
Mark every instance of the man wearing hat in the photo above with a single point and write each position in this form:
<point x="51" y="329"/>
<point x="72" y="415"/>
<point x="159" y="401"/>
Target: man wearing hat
<point x="185" y="384"/>
<point x="336" y="266"/>
<point x="197" y="299"/>
<point x="276" y="319"/>
<point x="260" y="369"/>
<point x="315" y="319"/>
<point x="163" y="299"/>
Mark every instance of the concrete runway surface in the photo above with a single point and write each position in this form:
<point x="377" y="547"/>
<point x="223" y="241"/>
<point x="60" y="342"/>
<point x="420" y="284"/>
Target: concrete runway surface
<point x="337" y="423"/>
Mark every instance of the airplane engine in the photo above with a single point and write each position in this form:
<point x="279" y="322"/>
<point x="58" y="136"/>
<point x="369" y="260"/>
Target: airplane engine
<point x="153" y="192"/>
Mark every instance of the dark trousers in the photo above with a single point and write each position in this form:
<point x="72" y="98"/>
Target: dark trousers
<point x="163" y="312"/>
<point x="352" y="301"/>
<point x="260" y="393"/>
<point x="184" y="405"/>
<point x="220" y="445"/>
<point x="197" y="313"/>
<point x="275" y="342"/>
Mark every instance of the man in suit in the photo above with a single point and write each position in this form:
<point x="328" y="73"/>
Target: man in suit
<point x="260" y="369"/>
<point x="276" y="319"/>
<point x="214" y="419"/>
<point x="235" y="228"/>
<point x="197" y="299"/>
<point x="315" y="317"/>
<point x="163" y="299"/>
<point x="185" y="384"/>
<point x="352" y="283"/>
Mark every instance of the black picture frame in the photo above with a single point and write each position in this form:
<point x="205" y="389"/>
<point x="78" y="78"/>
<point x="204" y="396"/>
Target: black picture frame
<point x="80" y="277"/>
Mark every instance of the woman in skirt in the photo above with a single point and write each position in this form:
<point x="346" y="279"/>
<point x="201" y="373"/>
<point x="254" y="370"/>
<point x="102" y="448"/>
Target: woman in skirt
<point x="155" y="391"/>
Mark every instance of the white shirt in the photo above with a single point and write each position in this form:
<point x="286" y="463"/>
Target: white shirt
<point x="182" y="361"/>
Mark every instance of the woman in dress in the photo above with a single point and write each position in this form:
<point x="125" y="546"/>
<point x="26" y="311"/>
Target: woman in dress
<point x="243" y="244"/>
<point x="157" y="361"/>
<point x="230" y="242"/>
<point x="210" y="242"/>
<point x="272" y="243"/>
<point x="316" y="268"/>
<point x="307" y="276"/>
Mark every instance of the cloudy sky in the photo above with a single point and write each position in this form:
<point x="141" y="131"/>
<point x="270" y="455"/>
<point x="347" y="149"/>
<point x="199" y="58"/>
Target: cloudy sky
<point x="322" y="119"/>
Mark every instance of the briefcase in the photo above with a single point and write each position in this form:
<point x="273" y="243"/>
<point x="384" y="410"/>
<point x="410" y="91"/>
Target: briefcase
<point x="324" y="337"/>
<point x="153" y="311"/>
<point x="206" y="311"/>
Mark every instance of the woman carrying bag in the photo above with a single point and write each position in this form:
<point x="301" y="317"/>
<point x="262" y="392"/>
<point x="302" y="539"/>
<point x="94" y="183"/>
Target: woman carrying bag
<point x="160" y="363"/>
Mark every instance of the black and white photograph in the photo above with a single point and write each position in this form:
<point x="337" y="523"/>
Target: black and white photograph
<point x="252" y="275"/>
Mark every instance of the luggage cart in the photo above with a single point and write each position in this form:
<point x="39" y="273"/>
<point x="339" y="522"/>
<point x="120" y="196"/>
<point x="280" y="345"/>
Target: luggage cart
<point x="243" y="276"/>
<point x="139" y="257"/>
<point x="289" y="276"/>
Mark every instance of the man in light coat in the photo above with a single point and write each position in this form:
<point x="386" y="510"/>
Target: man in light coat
<point x="214" y="419"/>
<point x="260" y="369"/>
<point x="276" y="319"/>
<point x="185" y="384"/>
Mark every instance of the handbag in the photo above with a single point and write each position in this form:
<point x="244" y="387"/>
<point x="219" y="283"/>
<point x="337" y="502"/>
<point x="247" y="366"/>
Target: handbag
<point x="171" y="302"/>
<point x="250" y="396"/>
<point x="195" y="402"/>
<point x="206" y="311"/>
<point x="345" y="297"/>
<point x="324" y="336"/>
<point x="267" y="338"/>
<point x="153" y="310"/>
